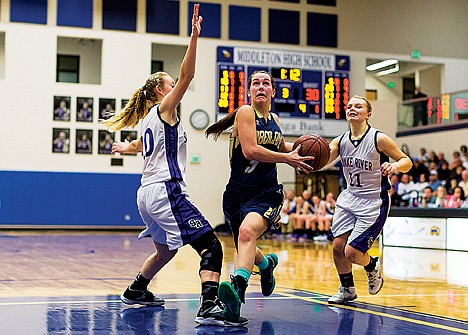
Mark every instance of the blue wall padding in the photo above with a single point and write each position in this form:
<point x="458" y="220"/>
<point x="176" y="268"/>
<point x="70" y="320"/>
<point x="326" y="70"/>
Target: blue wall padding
<point x="28" y="11"/>
<point x="210" y="27"/>
<point x="162" y="16"/>
<point x="119" y="14"/>
<point x="322" y="29"/>
<point x="245" y="23"/>
<point x="283" y="26"/>
<point x="75" y="13"/>
<point x="59" y="198"/>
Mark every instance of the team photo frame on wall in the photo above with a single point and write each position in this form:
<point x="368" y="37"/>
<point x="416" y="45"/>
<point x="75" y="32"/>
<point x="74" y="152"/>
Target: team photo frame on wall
<point x="123" y="103"/>
<point x="106" y="108"/>
<point x="61" y="108"/>
<point x="105" y="142"/>
<point x="61" y="140"/>
<point x="84" y="141"/>
<point x="84" y="109"/>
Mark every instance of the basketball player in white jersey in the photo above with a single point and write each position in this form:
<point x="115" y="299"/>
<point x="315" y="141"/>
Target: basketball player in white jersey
<point x="361" y="209"/>
<point x="170" y="216"/>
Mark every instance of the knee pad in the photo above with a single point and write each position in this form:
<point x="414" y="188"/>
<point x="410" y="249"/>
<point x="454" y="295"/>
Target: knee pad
<point x="211" y="252"/>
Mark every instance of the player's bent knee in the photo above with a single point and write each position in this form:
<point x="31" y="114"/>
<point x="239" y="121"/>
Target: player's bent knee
<point x="211" y="252"/>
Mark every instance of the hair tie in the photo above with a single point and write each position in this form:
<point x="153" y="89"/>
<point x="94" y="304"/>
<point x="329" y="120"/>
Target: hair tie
<point x="143" y="88"/>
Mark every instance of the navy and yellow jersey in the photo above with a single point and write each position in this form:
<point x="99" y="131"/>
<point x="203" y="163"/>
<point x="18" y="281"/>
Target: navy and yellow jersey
<point x="251" y="173"/>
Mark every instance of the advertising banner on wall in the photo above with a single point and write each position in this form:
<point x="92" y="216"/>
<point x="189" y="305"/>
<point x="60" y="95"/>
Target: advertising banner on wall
<point x="415" y="232"/>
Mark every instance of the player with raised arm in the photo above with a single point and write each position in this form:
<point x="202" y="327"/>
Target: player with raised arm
<point x="170" y="216"/>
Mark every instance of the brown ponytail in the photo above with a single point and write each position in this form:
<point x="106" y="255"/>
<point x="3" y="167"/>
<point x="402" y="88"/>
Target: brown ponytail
<point x="216" y="129"/>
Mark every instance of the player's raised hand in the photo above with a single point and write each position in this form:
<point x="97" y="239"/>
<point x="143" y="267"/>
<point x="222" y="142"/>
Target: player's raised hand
<point x="196" y="20"/>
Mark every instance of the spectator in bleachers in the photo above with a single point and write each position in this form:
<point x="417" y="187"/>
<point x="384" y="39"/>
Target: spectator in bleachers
<point x="427" y="199"/>
<point x="311" y="221"/>
<point x="456" y="199"/>
<point x="434" y="181"/>
<point x="418" y="169"/>
<point x="433" y="158"/>
<point x="450" y="185"/>
<point x="394" y="197"/>
<point x="405" y="188"/>
<point x="421" y="184"/>
<point x="325" y="220"/>
<point x="432" y="167"/>
<point x="443" y="171"/>
<point x="456" y="174"/>
<point x="441" y="159"/>
<point x="288" y="203"/>
<point x="441" y="195"/>
<point x="456" y="161"/>
<point x="464" y="182"/>
<point x="464" y="155"/>
<point x="423" y="156"/>
<point x="295" y="218"/>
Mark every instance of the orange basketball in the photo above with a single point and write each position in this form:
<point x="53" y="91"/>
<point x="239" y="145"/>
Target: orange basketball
<point x="316" y="146"/>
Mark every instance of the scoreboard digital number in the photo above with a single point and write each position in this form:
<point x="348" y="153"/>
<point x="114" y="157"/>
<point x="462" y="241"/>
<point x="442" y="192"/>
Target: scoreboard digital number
<point x="308" y="86"/>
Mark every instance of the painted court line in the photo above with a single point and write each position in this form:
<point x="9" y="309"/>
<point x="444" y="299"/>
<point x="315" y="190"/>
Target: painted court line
<point x="396" y="317"/>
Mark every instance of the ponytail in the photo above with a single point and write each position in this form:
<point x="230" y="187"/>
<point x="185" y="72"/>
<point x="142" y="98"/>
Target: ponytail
<point x="216" y="129"/>
<point x="138" y="106"/>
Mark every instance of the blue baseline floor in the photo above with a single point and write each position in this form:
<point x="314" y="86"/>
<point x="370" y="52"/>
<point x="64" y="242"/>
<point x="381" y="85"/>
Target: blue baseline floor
<point x="295" y="312"/>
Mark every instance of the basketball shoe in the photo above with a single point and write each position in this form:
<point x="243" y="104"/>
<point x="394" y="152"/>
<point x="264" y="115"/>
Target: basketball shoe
<point x="375" y="279"/>
<point x="344" y="294"/>
<point x="142" y="297"/>
<point x="211" y="314"/>
<point x="267" y="279"/>
<point x="232" y="295"/>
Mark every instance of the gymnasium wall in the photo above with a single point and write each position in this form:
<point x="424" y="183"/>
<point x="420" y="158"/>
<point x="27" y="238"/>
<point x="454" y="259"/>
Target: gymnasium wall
<point x="118" y="55"/>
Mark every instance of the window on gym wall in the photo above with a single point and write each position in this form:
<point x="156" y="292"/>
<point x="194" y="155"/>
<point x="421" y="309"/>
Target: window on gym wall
<point x="156" y="66"/>
<point x="68" y="69"/>
<point x="79" y="60"/>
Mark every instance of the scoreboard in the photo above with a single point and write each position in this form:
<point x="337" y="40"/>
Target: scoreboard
<point x="312" y="90"/>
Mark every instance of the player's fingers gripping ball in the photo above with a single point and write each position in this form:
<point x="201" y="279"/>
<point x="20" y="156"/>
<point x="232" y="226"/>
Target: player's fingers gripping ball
<point x="316" y="146"/>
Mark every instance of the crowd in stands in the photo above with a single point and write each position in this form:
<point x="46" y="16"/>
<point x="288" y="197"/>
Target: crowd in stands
<point x="306" y="216"/>
<point x="433" y="182"/>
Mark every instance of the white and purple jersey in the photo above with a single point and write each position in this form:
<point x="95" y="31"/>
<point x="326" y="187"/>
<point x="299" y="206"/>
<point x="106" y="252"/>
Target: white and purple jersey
<point x="164" y="149"/>
<point x="361" y="160"/>
<point x="170" y="216"/>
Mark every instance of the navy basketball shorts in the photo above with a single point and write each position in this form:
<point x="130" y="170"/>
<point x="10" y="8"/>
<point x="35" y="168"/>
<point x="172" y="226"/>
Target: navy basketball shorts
<point x="238" y="203"/>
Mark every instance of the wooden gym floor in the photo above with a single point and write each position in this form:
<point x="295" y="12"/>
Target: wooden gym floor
<point x="65" y="282"/>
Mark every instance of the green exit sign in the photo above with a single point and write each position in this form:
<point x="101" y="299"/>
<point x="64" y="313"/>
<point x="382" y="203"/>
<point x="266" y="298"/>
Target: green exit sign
<point x="415" y="54"/>
<point x="391" y="84"/>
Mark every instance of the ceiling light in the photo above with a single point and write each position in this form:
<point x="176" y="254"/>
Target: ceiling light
<point x="385" y="72"/>
<point x="381" y="64"/>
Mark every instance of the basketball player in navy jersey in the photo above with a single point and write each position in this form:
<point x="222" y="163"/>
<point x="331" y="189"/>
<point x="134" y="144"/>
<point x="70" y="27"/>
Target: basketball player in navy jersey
<point x="253" y="198"/>
<point x="362" y="208"/>
<point x="170" y="216"/>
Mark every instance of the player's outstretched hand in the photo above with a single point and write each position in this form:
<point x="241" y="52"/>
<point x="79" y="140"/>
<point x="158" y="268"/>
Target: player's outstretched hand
<point x="298" y="162"/>
<point x="119" y="147"/>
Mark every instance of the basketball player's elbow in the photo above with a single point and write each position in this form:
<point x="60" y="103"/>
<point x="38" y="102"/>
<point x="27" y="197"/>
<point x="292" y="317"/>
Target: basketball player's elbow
<point x="250" y="153"/>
